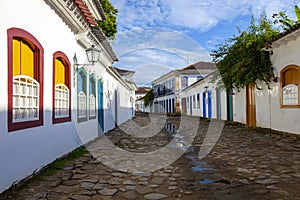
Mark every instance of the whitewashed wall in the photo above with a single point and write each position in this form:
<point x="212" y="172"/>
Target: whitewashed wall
<point x="282" y="118"/>
<point x="239" y="106"/>
<point x="24" y="151"/>
<point x="199" y="88"/>
<point x="268" y="111"/>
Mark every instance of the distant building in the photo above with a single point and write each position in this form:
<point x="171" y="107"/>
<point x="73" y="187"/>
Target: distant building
<point x="139" y="96"/>
<point x="168" y="87"/>
<point x="126" y="75"/>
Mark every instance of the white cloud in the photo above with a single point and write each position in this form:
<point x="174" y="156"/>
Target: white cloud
<point x="153" y="72"/>
<point x="191" y="14"/>
<point x="151" y="32"/>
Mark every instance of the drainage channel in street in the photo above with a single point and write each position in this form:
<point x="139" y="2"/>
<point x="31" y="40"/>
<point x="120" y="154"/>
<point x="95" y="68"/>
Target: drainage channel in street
<point x="197" y="164"/>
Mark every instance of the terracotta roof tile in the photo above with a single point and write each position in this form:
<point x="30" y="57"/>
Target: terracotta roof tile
<point x="85" y="11"/>
<point x="200" y="65"/>
<point x="142" y="90"/>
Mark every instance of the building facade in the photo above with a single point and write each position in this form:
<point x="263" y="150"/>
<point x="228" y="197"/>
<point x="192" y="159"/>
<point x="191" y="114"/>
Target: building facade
<point x="167" y="88"/>
<point x="275" y="105"/>
<point x="53" y="99"/>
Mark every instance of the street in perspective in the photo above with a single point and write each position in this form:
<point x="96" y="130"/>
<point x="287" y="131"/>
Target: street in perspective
<point x="156" y="99"/>
<point x="246" y="163"/>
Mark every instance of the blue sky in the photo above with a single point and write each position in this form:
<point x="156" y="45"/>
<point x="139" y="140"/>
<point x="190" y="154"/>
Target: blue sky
<point x="156" y="36"/>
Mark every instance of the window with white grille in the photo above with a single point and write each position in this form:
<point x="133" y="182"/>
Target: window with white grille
<point x="25" y="98"/>
<point x="92" y="105"/>
<point x="81" y="105"/>
<point x="290" y="95"/>
<point x="61" y="101"/>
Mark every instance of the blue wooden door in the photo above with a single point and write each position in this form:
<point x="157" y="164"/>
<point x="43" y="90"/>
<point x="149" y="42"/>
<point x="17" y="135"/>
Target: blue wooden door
<point x="204" y="104"/>
<point x="100" y="108"/>
<point x="191" y="105"/>
<point x="209" y="104"/>
<point x="219" y="113"/>
<point x="229" y="105"/>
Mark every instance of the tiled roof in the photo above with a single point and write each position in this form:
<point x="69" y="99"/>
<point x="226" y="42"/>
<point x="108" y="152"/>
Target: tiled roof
<point x="86" y="13"/>
<point x="199" y="65"/>
<point x="123" y="71"/>
<point x="281" y="35"/>
<point x="100" y="9"/>
<point x="101" y="37"/>
<point x="142" y="90"/>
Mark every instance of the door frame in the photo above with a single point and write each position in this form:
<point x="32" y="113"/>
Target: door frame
<point x="250" y="105"/>
<point x="100" y="107"/>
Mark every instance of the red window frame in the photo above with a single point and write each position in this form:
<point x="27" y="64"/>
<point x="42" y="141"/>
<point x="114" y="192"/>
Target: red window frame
<point x="62" y="57"/>
<point x="38" y="74"/>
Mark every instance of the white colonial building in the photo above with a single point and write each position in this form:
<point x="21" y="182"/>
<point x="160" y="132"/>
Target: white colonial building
<point x="53" y="98"/>
<point x="167" y="88"/>
<point x="203" y="98"/>
<point x="276" y="105"/>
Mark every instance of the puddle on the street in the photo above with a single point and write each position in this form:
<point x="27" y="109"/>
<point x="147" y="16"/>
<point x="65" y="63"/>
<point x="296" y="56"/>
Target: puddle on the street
<point x="198" y="165"/>
<point x="200" y="169"/>
<point x="207" y="181"/>
<point x="171" y="128"/>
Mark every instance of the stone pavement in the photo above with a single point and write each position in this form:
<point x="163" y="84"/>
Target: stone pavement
<point x="245" y="163"/>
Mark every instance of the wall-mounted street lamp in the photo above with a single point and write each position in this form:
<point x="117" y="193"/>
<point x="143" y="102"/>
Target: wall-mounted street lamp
<point x="93" y="55"/>
<point x="206" y="88"/>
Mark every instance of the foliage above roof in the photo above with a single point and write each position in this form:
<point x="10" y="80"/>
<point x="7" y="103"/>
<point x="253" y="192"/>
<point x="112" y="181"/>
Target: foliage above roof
<point x="241" y="60"/>
<point x="109" y="26"/>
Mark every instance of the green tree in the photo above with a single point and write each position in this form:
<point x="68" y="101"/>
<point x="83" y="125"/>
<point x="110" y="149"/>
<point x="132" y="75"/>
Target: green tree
<point x="286" y="22"/>
<point x="148" y="98"/>
<point x="241" y="60"/>
<point x="109" y="26"/>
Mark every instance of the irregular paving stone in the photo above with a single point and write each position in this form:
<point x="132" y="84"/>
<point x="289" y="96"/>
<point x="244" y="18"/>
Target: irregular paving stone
<point x="99" y="186"/>
<point x="91" y="180"/>
<point x="130" y="195"/>
<point x="115" y="181"/>
<point x="157" y="180"/>
<point x="141" y="174"/>
<point x="155" y="196"/>
<point x="174" y="183"/>
<point x="143" y="183"/>
<point x="86" y="192"/>
<point x="56" y="197"/>
<point x="87" y="185"/>
<point x="128" y="182"/>
<point x="267" y="182"/>
<point x="153" y="186"/>
<point x="162" y="175"/>
<point x="143" y="190"/>
<point x="79" y="176"/>
<point x="108" y="192"/>
<point x="80" y="197"/>
<point x="244" y="170"/>
<point x="122" y="189"/>
<point x="130" y="187"/>
<point x="120" y="175"/>
<point x="172" y="187"/>
<point x="64" y="189"/>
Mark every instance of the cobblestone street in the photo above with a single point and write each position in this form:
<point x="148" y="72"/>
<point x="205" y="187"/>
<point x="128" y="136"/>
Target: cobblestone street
<point x="245" y="163"/>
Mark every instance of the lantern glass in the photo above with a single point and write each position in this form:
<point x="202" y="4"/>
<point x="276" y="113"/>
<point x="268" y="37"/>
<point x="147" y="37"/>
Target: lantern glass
<point x="93" y="54"/>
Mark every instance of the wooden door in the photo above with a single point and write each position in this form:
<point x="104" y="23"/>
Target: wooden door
<point x="218" y="102"/>
<point x="100" y="108"/>
<point x="250" y="105"/>
<point x="229" y="105"/>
